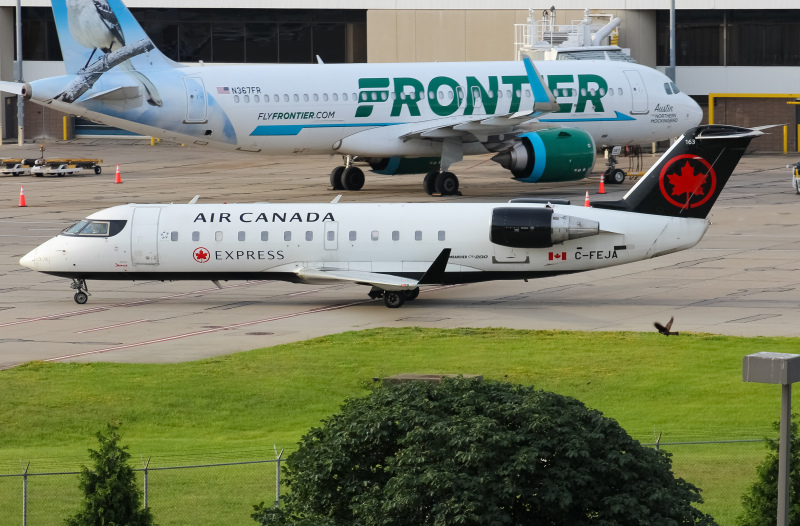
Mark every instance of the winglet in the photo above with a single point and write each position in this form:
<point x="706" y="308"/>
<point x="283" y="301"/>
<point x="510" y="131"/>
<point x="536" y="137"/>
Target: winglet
<point x="542" y="96"/>
<point x="435" y="273"/>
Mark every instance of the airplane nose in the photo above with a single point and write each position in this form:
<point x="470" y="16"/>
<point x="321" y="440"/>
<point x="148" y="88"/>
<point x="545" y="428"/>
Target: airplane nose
<point x="29" y="260"/>
<point x="694" y="113"/>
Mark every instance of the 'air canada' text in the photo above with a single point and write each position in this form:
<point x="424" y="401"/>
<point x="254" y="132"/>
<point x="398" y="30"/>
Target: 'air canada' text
<point x="264" y="217"/>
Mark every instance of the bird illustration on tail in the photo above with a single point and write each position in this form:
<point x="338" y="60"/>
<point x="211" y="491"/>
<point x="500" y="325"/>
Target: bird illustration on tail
<point x="94" y="25"/>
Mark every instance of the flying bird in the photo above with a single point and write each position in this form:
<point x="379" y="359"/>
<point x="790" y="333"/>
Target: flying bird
<point x="665" y="329"/>
<point x="94" y="25"/>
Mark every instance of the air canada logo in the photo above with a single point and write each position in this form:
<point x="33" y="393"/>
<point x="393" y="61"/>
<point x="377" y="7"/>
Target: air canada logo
<point x="201" y="255"/>
<point x="687" y="181"/>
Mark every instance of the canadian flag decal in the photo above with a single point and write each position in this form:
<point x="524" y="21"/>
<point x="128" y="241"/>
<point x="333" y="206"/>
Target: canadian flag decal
<point x="558" y="256"/>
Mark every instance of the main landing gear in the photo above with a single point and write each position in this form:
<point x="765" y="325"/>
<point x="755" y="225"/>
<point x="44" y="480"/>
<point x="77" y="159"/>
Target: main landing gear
<point x="440" y="183"/>
<point x="82" y="296"/>
<point x="347" y="177"/>
<point x="614" y="175"/>
<point x="394" y="299"/>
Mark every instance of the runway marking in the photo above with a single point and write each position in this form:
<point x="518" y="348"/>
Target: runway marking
<point x="128" y="304"/>
<point x="111" y="326"/>
<point x="327" y="308"/>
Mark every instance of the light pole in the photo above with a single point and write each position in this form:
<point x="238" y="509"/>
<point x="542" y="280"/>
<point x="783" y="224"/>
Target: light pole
<point x="18" y="74"/>
<point x="784" y="369"/>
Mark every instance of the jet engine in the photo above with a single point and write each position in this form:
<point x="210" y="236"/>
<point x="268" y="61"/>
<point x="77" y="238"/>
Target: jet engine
<point x="544" y="156"/>
<point x="403" y="165"/>
<point x="537" y="227"/>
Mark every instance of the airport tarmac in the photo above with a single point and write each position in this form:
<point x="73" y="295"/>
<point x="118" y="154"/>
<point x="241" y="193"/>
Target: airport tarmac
<point x="742" y="279"/>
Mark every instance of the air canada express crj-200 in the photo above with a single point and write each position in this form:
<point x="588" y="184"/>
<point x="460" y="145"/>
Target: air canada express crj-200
<point x="543" y="120"/>
<point x="397" y="248"/>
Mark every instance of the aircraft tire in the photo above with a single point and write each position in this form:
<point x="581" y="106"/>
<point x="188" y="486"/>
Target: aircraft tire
<point x="336" y="178"/>
<point x="353" y="178"/>
<point x="394" y="299"/>
<point x="616" y="176"/>
<point x="98" y="170"/>
<point x="81" y="298"/>
<point x="429" y="183"/>
<point x="446" y="183"/>
<point x="412" y="294"/>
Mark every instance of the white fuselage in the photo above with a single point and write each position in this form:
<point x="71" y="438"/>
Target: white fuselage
<point x="279" y="241"/>
<point x="310" y="109"/>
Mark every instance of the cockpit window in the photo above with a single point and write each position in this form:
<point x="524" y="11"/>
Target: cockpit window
<point x="667" y="88"/>
<point x="95" y="228"/>
<point x="674" y="88"/>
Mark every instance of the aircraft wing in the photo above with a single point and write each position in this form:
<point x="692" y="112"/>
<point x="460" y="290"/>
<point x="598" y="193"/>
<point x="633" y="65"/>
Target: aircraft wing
<point x="434" y="275"/>
<point x="12" y="87"/>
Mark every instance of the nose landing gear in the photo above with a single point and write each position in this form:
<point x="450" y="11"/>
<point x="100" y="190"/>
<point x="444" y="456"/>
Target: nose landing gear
<point x="82" y="296"/>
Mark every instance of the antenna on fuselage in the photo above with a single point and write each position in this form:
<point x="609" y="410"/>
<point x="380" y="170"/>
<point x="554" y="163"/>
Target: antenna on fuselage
<point x="194" y="200"/>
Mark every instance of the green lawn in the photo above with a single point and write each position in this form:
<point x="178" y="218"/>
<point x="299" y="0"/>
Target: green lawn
<point x="688" y="388"/>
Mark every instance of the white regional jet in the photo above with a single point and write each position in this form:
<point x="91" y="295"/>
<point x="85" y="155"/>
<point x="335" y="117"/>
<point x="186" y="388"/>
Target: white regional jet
<point x="400" y="118"/>
<point x="396" y="248"/>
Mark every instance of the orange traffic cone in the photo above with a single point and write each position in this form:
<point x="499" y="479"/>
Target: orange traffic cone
<point x="117" y="177"/>
<point x="22" y="196"/>
<point x="602" y="184"/>
<point x="586" y="201"/>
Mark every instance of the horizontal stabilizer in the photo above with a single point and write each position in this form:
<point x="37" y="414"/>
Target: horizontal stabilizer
<point x="12" y="87"/>
<point x="117" y="94"/>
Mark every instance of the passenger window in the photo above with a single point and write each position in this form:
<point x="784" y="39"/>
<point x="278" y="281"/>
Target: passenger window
<point x="583" y="91"/>
<point x="667" y="88"/>
<point x="256" y="98"/>
<point x="395" y="235"/>
<point x="305" y="97"/>
<point x="619" y="91"/>
<point x="241" y="235"/>
<point x="296" y="97"/>
<point x="335" y="97"/>
<point x="384" y="96"/>
<point x="344" y="96"/>
<point x="309" y="235"/>
<point x="374" y="235"/>
<point x="264" y="235"/>
<point x="236" y="98"/>
<point x="518" y="93"/>
<point x="266" y="98"/>
<point x="331" y="235"/>
<point x="277" y="98"/>
<point x="356" y="97"/>
<point x="499" y="94"/>
<point x="247" y="98"/>
<point x="195" y="236"/>
<point x="352" y="235"/>
<point x="508" y="93"/>
<point x="418" y="235"/>
<point x="441" y="235"/>
<point x="173" y="236"/>
<point x="218" y="236"/>
<point x="325" y="97"/>
<point x="316" y="97"/>
<point x="285" y="97"/>
<point x="527" y="93"/>
<point x="287" y="236"/>
<point x="611" y="92"/>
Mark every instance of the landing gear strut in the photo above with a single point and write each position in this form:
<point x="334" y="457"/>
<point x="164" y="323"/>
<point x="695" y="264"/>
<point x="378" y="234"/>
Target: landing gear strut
<point x="82" y="296"/>
<point x="394" y="299"/>
<point x="613" y="174"/>
<point x="347" y="177"/>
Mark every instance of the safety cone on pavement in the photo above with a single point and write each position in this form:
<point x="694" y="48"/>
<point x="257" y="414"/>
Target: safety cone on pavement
<point x="602" y="184"/>
<point x="586" y="201"/>
<point x="22" y="196"/>
<point x="117" y="177"/>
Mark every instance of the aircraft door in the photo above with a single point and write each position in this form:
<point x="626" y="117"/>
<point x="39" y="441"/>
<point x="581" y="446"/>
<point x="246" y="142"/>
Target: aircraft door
<point x="144" y="236"/>
<point x="331" y="235"/>
<point x="196" y="103"/>
<point x="638" y="92"/>
<point x="477" y="101"/>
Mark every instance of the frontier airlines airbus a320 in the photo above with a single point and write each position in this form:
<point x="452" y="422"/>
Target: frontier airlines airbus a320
<point x="542" y="120"/>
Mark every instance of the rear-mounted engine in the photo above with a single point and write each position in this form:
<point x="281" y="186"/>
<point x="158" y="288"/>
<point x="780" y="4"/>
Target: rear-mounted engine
<point x="537" y="227"/>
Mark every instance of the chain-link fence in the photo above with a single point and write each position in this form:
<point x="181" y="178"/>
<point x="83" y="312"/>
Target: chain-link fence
<point x="224" y="493"/>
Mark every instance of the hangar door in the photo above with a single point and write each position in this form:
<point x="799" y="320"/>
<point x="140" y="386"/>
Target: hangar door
<point x="144" y="235"/>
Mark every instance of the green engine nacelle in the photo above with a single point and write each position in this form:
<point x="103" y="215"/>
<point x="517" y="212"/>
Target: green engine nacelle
<point x="403" y="165"/>
<point x="545" y="156"/>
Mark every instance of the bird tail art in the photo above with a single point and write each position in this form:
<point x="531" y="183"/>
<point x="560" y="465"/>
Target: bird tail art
<point x="689" y="177"/>
<point x="91" y="31"/>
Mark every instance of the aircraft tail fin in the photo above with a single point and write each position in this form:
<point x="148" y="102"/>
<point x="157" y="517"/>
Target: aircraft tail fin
<point x="688" y="178"/>
<point x="90" y="30"/>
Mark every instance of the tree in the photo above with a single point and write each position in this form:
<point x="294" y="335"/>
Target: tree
<point x="474" y="453"/>
<point x="760" y="503"/>
<point x="111" y="496"/>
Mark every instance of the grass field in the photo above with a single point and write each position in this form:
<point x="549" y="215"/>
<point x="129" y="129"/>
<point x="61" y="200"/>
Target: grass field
<point x="687" y="388"/>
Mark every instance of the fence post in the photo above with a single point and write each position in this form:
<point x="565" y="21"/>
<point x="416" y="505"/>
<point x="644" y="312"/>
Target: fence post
<point x="146" y="465"/>
<point x="278" y="479"/>
<point x="658" y="441"/>
<point x="25" y="494"/>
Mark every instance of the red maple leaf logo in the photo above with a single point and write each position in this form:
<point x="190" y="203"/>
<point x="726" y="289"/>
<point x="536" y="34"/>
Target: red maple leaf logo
<point x="200" y="255"/>
<point x="688" y="182"/>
